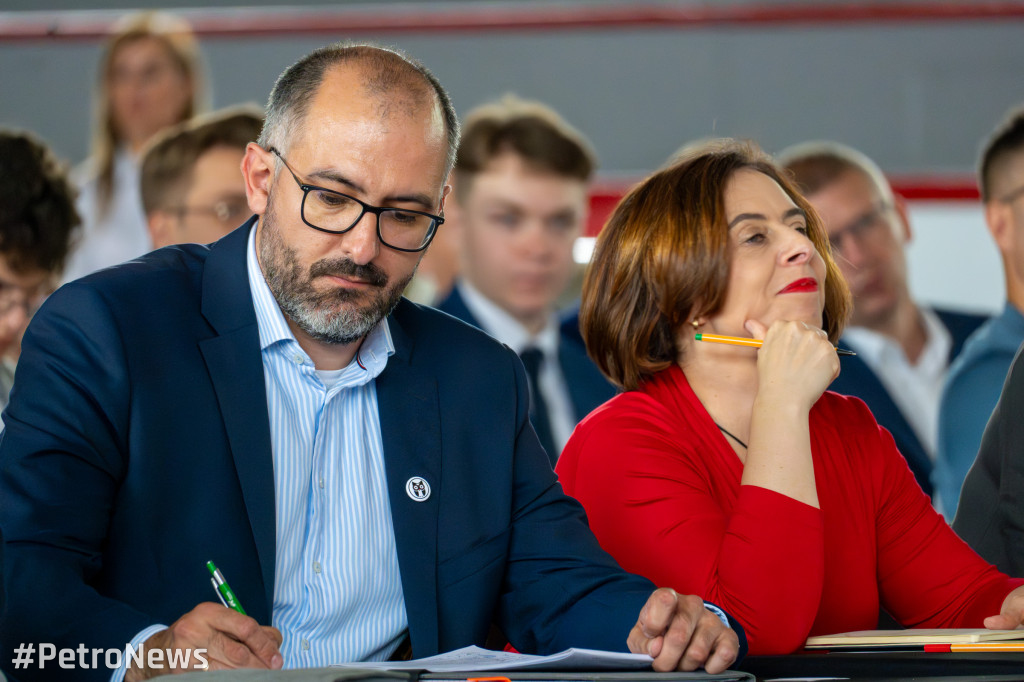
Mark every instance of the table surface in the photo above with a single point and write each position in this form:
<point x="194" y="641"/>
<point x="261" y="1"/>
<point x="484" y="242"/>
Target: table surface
<point x="884" y="665"/>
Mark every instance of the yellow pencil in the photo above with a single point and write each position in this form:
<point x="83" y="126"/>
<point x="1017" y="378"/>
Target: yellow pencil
<point x="975" y="646"/>
<point x="752" y="343"/>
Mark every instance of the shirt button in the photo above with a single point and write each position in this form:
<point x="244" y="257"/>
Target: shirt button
<point x="316" y="566"/>
<point x="297" y="359"/>
<point x="305" y="645"/>
<point x="321" y="481"/>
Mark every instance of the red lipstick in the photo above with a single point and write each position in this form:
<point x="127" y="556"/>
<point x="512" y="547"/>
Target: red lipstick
<point x="801" y="286"/>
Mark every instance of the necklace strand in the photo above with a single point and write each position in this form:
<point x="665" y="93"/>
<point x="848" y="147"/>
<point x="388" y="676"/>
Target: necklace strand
<point x="722" y="429"/>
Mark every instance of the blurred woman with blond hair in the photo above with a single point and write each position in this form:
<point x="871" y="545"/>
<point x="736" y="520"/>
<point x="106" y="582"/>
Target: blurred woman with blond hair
<point x="149" y="78"/>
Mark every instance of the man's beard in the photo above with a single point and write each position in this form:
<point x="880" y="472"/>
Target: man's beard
<point x="330" y="316"/>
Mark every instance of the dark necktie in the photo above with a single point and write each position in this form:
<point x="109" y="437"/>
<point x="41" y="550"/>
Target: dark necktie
<point x="532" y="359"/>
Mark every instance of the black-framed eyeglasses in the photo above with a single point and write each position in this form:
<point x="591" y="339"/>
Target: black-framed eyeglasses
<point x="861" y="227"/>
<point x="13" y="296"/>
<point x="334" y="212"/>
<point x="227" y="211"/>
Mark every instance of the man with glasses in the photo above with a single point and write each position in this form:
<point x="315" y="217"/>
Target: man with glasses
<point x="191" y="182"/>
<point x="977" y="376"/>
<point x="903" y="349"/>
<point x="361" y="469"/>
<point x="37" y="223"/>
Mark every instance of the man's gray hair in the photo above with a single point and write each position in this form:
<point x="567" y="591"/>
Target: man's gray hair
<point x="816" y="164"/>
<point x="387" y="70"/>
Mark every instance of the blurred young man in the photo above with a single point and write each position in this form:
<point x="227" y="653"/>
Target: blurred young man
<point x="903" y="349"/>
<point x="192" y="186"/>
<point x="977" y="376"/>
<point x="37" y="221"/>
<point x="520" y="202"/>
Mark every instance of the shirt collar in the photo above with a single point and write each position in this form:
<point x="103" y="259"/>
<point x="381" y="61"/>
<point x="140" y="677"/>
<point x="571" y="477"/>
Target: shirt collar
<point x="373" y="354"/>
<point x="876" y="347"/>
<point x="506" y="328"/>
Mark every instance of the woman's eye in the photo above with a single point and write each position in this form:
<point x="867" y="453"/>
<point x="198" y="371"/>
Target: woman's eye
<point x="802" y="229"/>
<point x="754" y="238"/>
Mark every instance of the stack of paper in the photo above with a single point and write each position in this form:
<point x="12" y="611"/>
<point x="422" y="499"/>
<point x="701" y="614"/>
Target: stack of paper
<point x="473" y="658"/>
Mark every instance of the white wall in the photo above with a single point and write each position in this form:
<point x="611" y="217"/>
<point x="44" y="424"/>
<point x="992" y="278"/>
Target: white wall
<point x="952" y="260"/>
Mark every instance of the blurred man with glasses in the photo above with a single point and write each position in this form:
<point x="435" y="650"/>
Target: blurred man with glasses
<point x="361" y="469"/>
<point x="37" y="223"/>
<point x="977" y="376"/>
<point x="191" y="179"/>
<point x="903" y="349"/>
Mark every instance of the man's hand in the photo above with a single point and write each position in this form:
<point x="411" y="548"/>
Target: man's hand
<point x="1011" y="616"/>
<point x="231" y="640"/>
<point x="680" y="634"/>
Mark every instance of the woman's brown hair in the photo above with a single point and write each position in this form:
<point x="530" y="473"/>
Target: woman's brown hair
<point x="662" y="259"/>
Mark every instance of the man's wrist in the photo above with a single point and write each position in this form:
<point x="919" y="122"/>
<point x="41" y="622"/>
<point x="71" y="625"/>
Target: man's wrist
<point x="718" y="612"/>
<point x="137" y="641"/>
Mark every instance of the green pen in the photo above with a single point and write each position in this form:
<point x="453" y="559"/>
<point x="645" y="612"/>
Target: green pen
<point x="227" y="597"/>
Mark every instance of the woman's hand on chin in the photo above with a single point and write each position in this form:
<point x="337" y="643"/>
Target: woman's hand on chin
<point x="796" y="363"/>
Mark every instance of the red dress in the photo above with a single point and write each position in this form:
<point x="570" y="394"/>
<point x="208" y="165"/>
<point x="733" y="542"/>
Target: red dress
<point x="661" y="486"/>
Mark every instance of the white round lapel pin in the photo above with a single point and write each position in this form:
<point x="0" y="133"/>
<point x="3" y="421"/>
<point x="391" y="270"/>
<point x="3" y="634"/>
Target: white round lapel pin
<point x="417" y="489"/>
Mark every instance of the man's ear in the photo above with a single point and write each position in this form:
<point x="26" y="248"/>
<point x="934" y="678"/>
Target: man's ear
<point x="258" y="173"/>
<point x="900" y="206"/>
<point x="1000" y="225"/>
<point x="160" y="225"/>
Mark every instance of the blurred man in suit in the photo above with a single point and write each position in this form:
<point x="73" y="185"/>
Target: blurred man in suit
<point x="520" y="202"/>
<point x="903" y="349"/>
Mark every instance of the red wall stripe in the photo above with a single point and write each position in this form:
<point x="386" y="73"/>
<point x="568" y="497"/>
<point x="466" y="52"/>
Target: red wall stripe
<point x="245" y="22"/>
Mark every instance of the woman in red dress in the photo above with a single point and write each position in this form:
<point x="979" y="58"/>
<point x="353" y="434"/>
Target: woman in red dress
<point x="729" y="471"/>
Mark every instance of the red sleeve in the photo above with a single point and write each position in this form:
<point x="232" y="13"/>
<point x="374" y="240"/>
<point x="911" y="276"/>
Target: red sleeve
<point x="658" y="508"/>
<point x="927" y="576"/>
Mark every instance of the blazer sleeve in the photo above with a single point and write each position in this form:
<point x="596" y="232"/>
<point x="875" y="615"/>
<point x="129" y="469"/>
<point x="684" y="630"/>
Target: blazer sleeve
<point x="560" y="589"/>
<point x="990" y="516"/>
<point x="654" y="506"/>
<point x="62" y="460"/>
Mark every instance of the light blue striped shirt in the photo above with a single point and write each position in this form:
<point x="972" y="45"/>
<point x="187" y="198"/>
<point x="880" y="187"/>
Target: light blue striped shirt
<point x="337" y="588"/>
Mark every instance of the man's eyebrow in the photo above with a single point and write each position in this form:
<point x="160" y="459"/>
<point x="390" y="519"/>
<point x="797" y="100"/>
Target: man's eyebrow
<point x="791" y="213"/>
<point x="336" y="177"/>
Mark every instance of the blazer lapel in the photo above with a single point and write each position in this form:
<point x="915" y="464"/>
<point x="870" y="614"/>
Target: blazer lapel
<point x="410" y="418"/>
<point x="235" y="364"/>
<point x="587" y="386"/>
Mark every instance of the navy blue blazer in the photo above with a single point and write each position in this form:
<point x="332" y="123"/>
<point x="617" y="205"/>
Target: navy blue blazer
<point x="857" y="379"/>
<point x="588" y="388"/>
<point x="137" y="447"/>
